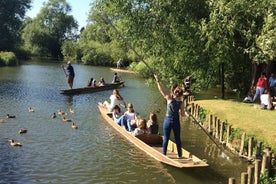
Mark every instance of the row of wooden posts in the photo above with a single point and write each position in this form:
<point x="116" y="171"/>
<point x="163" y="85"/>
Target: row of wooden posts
<point x="260" y="162"/>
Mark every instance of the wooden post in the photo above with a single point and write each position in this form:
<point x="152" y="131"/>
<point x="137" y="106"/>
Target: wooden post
<point x="210" y="123"/>
<point x="268" y="162"/>
<point x="192" y="108"/>
<point x="228" y="133"/>
<point x="250" y="171"/>
<point x="214" y="126"/>
<point x="231" y="180"/>
<point x="221" y="132"/>
<point x="217" y="129"/>
<point x="244" y="178"/>
<point x="257" y="171"/>
<point x="264" y="163"/>
<point x="250" y="147"/>
<point x="259" y="150"/>
<point x="242" y="143"/>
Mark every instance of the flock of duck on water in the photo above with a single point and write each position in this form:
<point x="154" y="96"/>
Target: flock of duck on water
<point x="53" y="116"/>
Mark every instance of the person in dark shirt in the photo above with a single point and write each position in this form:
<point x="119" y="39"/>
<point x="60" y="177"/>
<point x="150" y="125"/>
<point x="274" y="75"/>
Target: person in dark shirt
<point x="70" y="74"/>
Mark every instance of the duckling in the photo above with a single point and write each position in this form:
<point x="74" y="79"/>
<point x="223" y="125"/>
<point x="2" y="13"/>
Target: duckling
<point x="54" y="115"/>
<point x="31" y="109"/>
<point x="60" y="112"/>
<point x="72" y="111"/>
<point x="66" y="119"/>
<point x="10" y="116"/>
<point x="14" y="143"/>
<point x="22" y="131"/>
<point x="74" y="126"/>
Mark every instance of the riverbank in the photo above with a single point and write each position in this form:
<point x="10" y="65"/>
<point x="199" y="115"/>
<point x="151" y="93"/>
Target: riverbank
<point x="248" y="117"/>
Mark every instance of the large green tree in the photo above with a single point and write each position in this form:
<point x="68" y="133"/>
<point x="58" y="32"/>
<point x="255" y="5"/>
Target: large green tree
<point x="45" y="34"/>
<point x="12" y="13"/>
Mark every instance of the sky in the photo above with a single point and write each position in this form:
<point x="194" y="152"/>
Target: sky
<point x="80" y="9"/>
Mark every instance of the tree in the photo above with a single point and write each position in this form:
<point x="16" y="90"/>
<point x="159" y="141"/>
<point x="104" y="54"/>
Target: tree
<point x="12" y="13"/>
<point x="53" y="25"/>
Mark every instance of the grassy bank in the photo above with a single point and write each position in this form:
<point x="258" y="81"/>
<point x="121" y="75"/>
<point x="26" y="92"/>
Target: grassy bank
<point x="246" y="116"/>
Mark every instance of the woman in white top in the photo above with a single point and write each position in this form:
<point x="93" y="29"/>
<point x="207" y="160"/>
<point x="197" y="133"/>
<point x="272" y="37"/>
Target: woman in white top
<point x="128" y="119"/>
<point x="115" y="99"/>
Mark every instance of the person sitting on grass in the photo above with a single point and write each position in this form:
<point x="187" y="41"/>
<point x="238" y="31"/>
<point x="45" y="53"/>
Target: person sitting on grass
<point x="266" y="102"/>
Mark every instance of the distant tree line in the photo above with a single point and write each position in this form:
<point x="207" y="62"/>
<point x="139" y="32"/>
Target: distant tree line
<point x="218" y="42"/>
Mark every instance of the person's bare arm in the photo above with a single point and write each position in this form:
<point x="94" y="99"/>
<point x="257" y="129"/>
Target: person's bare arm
<point x="160" y="87"/>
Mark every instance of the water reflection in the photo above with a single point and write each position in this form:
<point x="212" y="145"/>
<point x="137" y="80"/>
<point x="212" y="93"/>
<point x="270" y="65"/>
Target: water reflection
<point x="52" y="152"/>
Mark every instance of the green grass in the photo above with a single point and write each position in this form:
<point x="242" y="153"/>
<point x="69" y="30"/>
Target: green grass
<point x="247" y="116"/>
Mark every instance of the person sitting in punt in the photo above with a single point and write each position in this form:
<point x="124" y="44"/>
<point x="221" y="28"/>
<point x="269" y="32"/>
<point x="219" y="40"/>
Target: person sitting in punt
<point x="128" y="119"/>
<point x="90" y="82"/>
<point x="116" y="78"/>
<point x="101" y="82"/>
<point x="152" y="124"/>
<point x="141" y="128"/>
<point x="115" y="99"/>
<point x="116" y="113"/>
<point x="94" y="83"/>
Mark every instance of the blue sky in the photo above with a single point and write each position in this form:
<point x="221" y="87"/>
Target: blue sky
<point x="80" y="9"/>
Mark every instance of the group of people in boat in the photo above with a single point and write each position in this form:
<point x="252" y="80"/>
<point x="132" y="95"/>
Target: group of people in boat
<point x="93" y="83"/>
<point x="70" y="75"/>
<point x="138" y="126"/>
<point x="129" y="119"/>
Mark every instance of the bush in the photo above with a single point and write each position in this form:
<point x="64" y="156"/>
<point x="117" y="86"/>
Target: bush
<point x="7" y="59"/>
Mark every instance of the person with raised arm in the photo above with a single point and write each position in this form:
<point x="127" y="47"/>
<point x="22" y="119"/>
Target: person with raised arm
<point x="172" y="119"/>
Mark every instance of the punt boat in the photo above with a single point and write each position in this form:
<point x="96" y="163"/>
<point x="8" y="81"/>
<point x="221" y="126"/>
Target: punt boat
<point x="76" y="91"/>
<point x="151" y="144"/>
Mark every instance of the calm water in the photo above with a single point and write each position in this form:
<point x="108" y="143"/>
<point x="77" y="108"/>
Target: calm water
<point x="52" y="152"/>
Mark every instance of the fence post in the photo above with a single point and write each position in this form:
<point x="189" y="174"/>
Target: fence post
<point x="242" y="144"/>
<point x="257" y="171"/>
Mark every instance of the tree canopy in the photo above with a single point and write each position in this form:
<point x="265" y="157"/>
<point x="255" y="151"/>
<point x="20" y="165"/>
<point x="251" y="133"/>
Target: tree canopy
<point x="46" y="33"/>
<point x="12" y="13"/>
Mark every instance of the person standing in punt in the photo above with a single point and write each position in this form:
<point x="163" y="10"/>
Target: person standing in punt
<point x="172" y="119"/>
<point x="70" y="74"/>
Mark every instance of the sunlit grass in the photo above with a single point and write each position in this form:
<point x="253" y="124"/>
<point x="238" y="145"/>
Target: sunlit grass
<point x="246" y="116"/>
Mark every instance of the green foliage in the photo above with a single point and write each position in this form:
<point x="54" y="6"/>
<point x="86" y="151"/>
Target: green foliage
<point x="7" y="59"/>
<point x="45" y="34"/>
<point x="12" y="13"/>
<point x="236" y="133"/>
<point x="265" y="179"/>
<point x="202" y="114"/>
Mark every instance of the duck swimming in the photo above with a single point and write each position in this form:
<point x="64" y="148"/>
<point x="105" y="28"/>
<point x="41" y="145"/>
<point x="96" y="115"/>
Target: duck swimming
<point x="10" y="116"/>
<point x="22" y="131"/>
<point x="72" y="111"/>
<point x="54" y="115"/>
<point x="14" y="143"/>
<point x="60" y="112"/>
<point x="66" y="119"/>
<point x="74" y="126"/>
<point x="31" y="109"/>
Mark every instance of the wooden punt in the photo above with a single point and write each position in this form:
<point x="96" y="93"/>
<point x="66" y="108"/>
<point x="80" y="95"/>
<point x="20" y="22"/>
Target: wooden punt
<point x="152" y="145"/>
<point x="122" y="70"/>
<point x="91" y="89"/>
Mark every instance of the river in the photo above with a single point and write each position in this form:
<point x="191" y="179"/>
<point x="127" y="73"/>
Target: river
<point x="52" y="152"/>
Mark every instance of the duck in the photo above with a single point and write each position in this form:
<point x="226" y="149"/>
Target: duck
<point x="22" y="131"/>
<point x="74" y="126"/>
<point x="14" y="143"/>
<point x="31" y="109"/>
<point x="72" y="111"/>
<point x="3" y="121"/>
<point x="10" y="116"/>
<point x="54" y="115"/>
<point x="66" y="119"/>
<point x="60" y="112"/>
